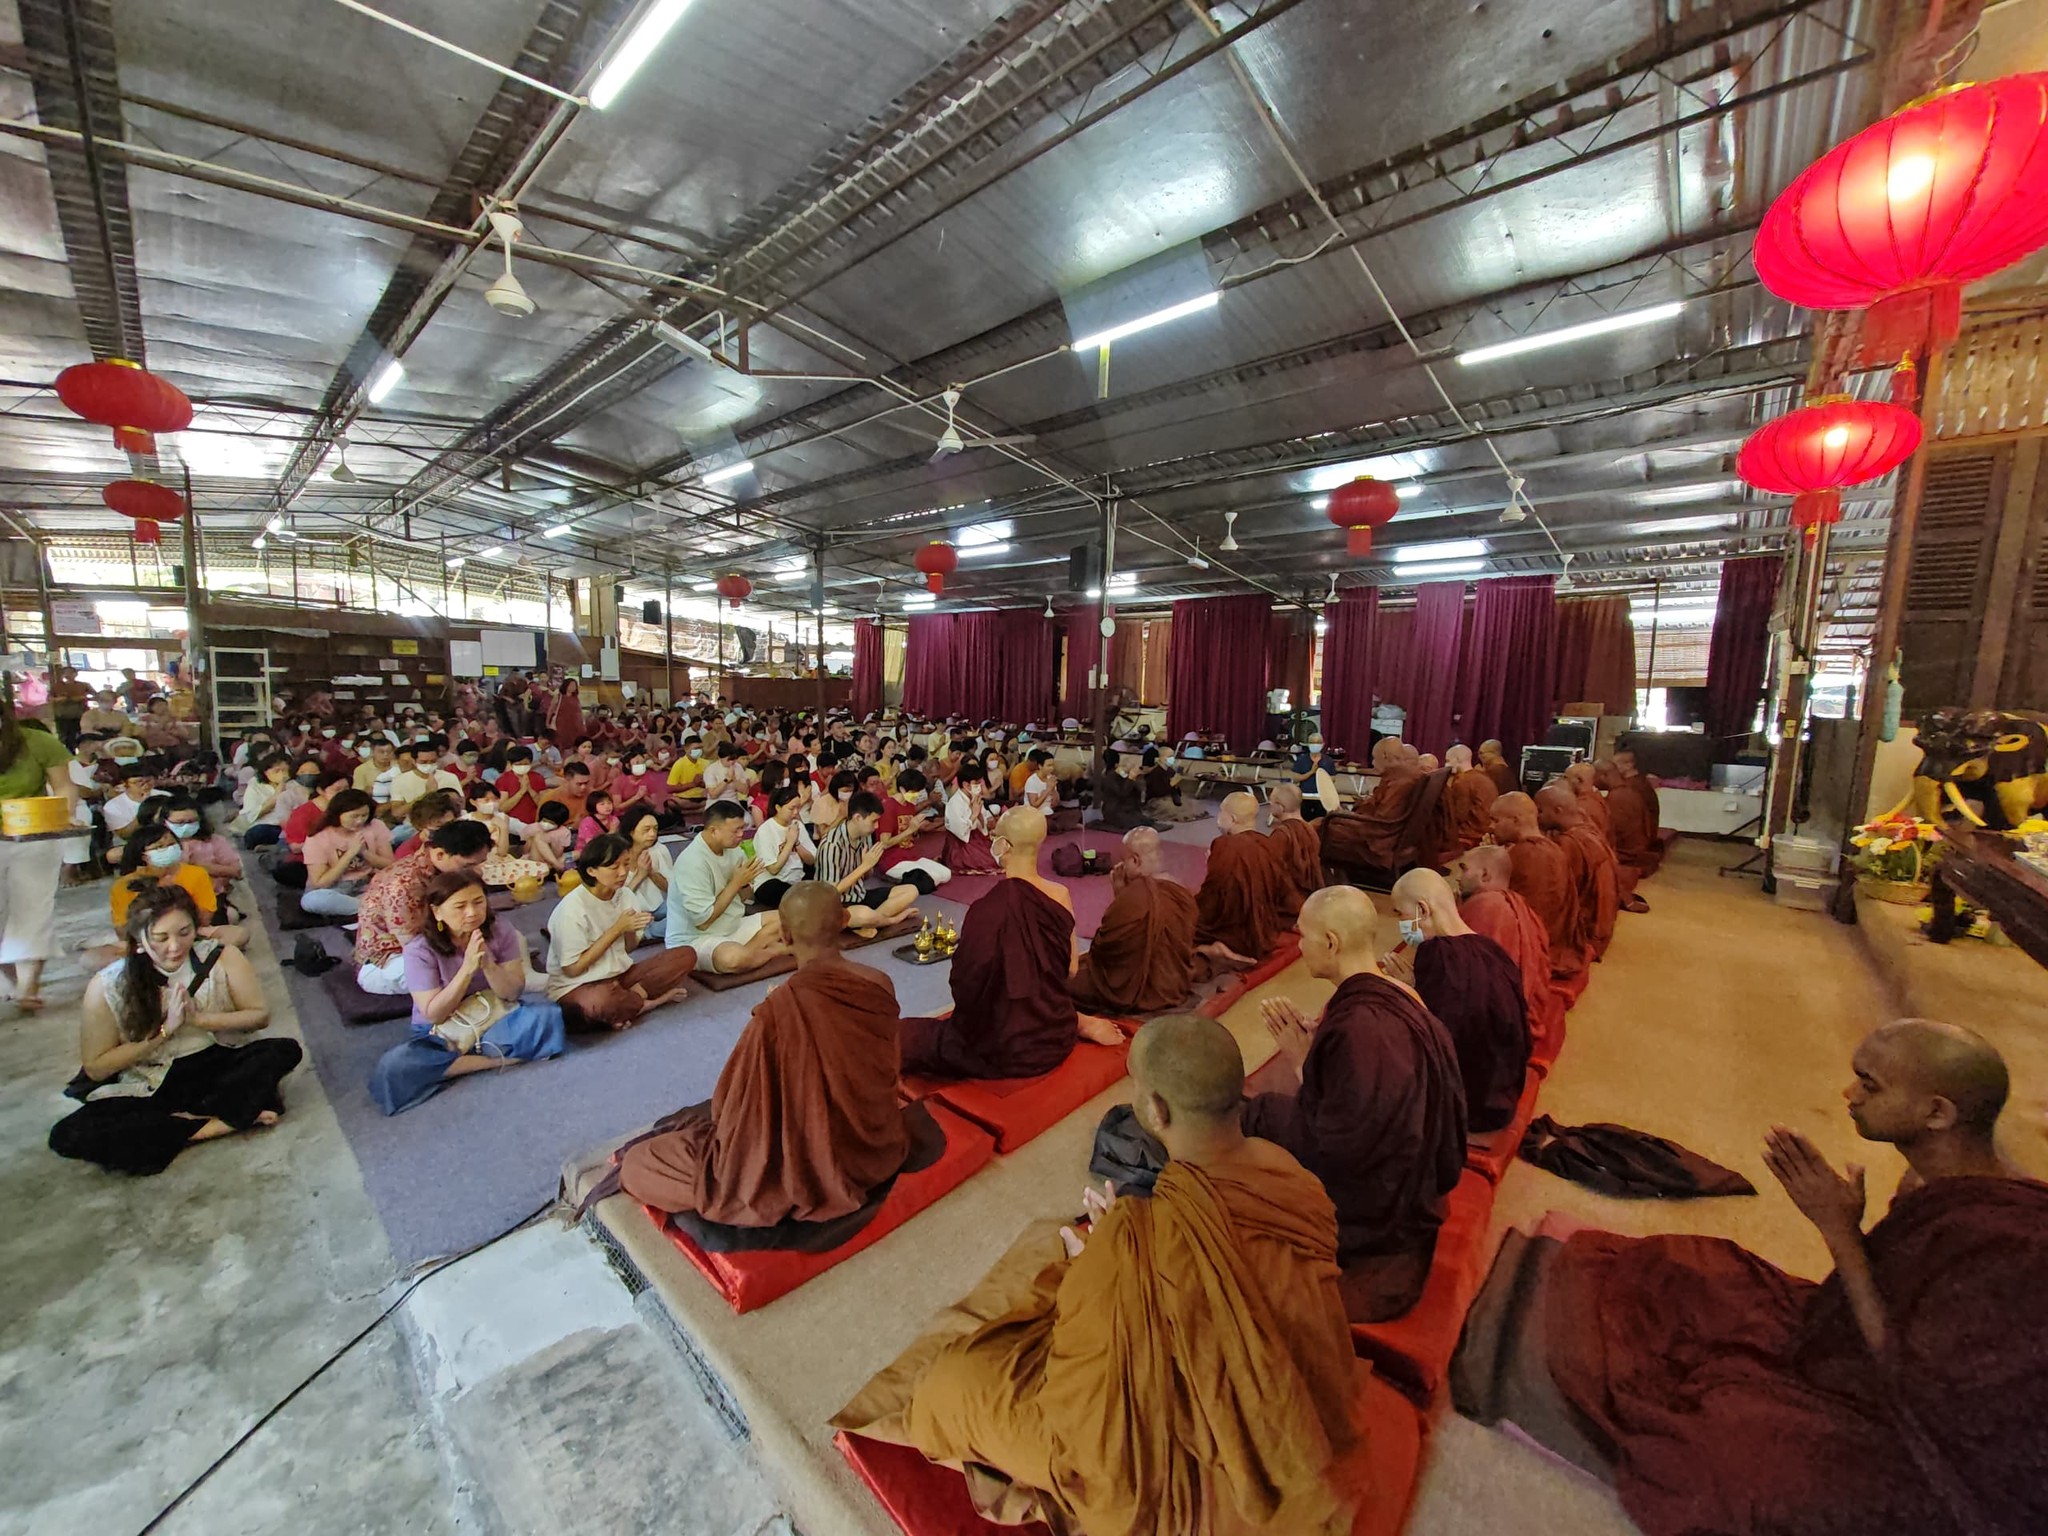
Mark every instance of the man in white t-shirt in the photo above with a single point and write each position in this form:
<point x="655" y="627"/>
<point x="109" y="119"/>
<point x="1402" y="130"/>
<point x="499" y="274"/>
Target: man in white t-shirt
<point x="1042" y="789"/>
<point x="707" y="894"/>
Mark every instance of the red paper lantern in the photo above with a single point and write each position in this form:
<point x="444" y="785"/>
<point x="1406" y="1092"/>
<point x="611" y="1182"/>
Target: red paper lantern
<point x="1899" y="218"/>
<point x="144" y="500"/>
<point x="1811" y="453"/>
<point x="938" y="561"/>
<point x="128" y="398"/>
<point x="734" y="588"/>
<point x="1361" y="506"/>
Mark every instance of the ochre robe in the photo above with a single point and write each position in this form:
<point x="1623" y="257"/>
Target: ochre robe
<point x="1465" y="812"/>
<point x="1540" y="873"/>
<point x="1190" y="1371"/>
<point x="1370" y="834"/>
<point x="1744" y="1402"/>
<point x="1594" y="804"/>
<point x="1012" y="1014"/>
<point x="1631" y="827"/>
<point x="1474" y="988"/>
<point x="1594" y="879"/>
<point x="804" y="1123"/>
<point x="1241" y="896"/>
<point x="1380" y="1119"/>
<point x="1301" y="862"/>
<point x="1512" y="923"/>
<point x="1142" y="958"/>
<point x="1502" y="772"/>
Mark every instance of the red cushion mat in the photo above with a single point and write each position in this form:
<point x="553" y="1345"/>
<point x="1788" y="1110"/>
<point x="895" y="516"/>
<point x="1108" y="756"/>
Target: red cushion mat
<point x="1414" y="1350"/>
<point x="1286" y="950"/>
<point x="1492" y="1152"/>
<point x="750" y="1280"/>
<point x="926" y="1499"/>
<point x="1016" y="1109"/>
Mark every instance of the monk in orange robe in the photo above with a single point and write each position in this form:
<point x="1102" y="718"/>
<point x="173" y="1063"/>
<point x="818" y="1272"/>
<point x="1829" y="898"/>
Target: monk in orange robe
<point x="804" y="1124"/>
<point x="1592" y="861"/>
<point x="1632" y="816"/>
<point x="1541" y="874"/>
<point x="1187" y="1368"/>
<point x="1371" y="833"/>
<point x="1497" y="768"/>
<point x="1490" y="906"/>
<point x="1299" y="847"/>
<point x="1584" y="780"/>
<point x="1244" y="889"/>
<point x="1465" y="813"/>
<point x="1012" y="1014"/>
<point x="1143" y="957"/>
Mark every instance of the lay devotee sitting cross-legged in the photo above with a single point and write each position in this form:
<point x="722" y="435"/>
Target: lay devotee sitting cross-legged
<point x="1466" y="810"/>
<point x="1592" y="864"/>
<point x="1244" y="889"/>
<point x="591" y="969"/>
<point x="707" y="898"/>
<point x="1143" y="956"/>
<point x="1012" y="1013"/>
<point x="1187" y="1368"/>
<point x="1905" y="1395"/>
<point x="1299" y="845"/>
<point x="848" y="856"/>
<point x="1370" y="1099"/>
<point x="1540" y="873"/>
<point x="805" y="1122"/>
<point x="1370" y="833"/>
<point x="1488" y="904"/>
<point x="1473" y="986"/>
<point x="394" y="907"/>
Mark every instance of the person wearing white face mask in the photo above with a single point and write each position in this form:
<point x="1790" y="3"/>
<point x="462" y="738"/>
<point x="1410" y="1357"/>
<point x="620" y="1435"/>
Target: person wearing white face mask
<point x="166" y="1048"/>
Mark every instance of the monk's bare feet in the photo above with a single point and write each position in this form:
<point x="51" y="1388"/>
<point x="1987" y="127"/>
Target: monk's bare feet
<point x="1224" y="958"/>
<point x="1100" y="1031"/>
<point x="1635" y="904"/>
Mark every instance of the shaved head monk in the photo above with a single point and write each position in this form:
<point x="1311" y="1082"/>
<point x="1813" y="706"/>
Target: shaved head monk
<point x="1370" y="835"/>
<point x="1299" y="847"/>
<point x="1012" y="1014"/>
<point x="1494" y="761"/>
<point x="1474" y="987"/>
<point x="805" y="1124"/>
<point x="1489" y="905"/>
<point x="1584" y="781"/>
<point x="1142" y="958"/>
<point x="1370" y="1099"/>
<point x="1187" y="1368"/>
<point x="1244" y="889"/>
<point x="1592" y="864"/>
<point x="1465" y="813"/>
<point x="1906" y="1394"/>
<point x="1541" y="873"/>
<point x="1631" y="818"/>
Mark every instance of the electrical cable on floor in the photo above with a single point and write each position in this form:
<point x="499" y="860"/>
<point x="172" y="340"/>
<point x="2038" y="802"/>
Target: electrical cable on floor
<point x="334" y="1359"/>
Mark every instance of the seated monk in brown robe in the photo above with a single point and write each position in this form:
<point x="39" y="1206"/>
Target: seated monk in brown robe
<point x="1187" y="1369"/>
<point x="1584" y="780"/>
<point x="1143" y="956"/>
<point x="1465" y="812"/>
<point x="1242" y="891"/>
<point x="1631" y="818"/>
<point x="1490" y="906"/>
<point x="1371" y="1101"/>
<point x="1474" y="988"/>
<point x="1370" y="834"/>
<point x="1012" y="1014"/>
<point x="1592" y="861"/>
<point x="1541" y="874"/>
<point x="1493" y="762"/>
<point x="1905" y="1394"/>
<point x="804" y="1124"/>
<point x="1299" y="847"/>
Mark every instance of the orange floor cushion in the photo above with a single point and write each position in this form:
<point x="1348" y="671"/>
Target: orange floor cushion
<point x="1286" y="950"/>
<point x="1414" y="1350"/>
<point x="751" y="1280"/>
<point x="1492" y="1152"/>
<point x="1394" y="1433"/>
<point x="1015" y="1109"/>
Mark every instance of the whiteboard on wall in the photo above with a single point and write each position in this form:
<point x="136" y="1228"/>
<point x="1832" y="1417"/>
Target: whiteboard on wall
<point x="508" y="647"/>
<point x="465" y="658"/>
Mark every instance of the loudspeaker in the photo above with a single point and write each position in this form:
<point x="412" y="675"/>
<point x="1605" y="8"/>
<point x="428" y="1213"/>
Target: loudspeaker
<point x="178" y="574"/>
<point x="618" y="593"/>
<point x="1084" y="568"/>
<point x="650" y="611"/>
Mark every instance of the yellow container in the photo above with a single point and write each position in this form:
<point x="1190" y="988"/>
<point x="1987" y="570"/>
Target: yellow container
<point x="36" y="813"/>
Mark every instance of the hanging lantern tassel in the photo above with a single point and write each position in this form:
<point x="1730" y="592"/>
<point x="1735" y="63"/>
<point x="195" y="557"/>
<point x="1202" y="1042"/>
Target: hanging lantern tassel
<point x="147" y="532"/>
<point x="1814" y="510"/>
<point x="1906" y="383"/>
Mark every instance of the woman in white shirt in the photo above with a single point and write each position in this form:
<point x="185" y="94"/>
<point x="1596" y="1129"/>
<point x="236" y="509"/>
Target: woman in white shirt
<point x="783" y="847"/>
<point x="647" y="880"/>
<point x="591" y="969"/>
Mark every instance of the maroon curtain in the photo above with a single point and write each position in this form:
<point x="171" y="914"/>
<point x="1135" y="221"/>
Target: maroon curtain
<point x="1596" y="655"/>
<point x="1350" y="671"/>
<point x="986" y="666"/>
<point x="1393" y="643"/>
<point x="1217" y="668"/>
<point x="1434" y="647"/>
<point x="1735" y="659"/>
<point x="1084" y="645"/>
<point x="928" y="665"/>
<point x="867" y="667"/>
<point x="1290" y="654"/>
<point x="1509" y="656"/>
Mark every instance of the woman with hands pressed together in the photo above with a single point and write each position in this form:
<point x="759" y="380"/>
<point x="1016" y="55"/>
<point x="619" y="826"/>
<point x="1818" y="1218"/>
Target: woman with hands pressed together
<point x="591" y="971"/>
<point x="647" y="875"/>
<point x="164" y="1045"/>
<point x="350" y="846"/>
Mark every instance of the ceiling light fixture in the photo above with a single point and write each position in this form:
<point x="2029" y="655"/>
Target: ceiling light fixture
<point x="1145" y="322"/>
<point x="1407" y="492"/>
<point x="385" y="380"/>
<point x="456" y="562"/>
<point x="1229" y="544"/>
<point x="1196" y="559"/>
<point x="920" y="600"/>
<point x="730" y="472"/>
<point x="506" y="294"/>
<point x="1699" y="524"/>
<point x="1683" y="617"/>
<point x="275" y="525"/>
<point x="703" y="586"/>
<point x="654" y="25"/>
<point x="1628" y="320"/>
<point x="950" y="440"/>
<point x="559" y="531"/>
<point x="1439" y="568"/>
<point x="341" y="473"/>
<point x="1448" y="549"/>
<point x="683" y="341"/>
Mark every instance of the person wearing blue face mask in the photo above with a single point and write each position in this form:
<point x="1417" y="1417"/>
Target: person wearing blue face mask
<point x="1473" y="986"/>
<point x="155" y="856"/>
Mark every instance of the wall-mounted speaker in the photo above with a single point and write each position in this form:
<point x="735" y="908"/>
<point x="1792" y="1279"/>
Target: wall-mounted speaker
<point x="650" y="611"/>
<point x="1084" y="568"/>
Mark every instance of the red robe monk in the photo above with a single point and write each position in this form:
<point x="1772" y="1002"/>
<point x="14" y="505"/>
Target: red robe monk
<point x="1243" y="889"/>
<point x="1474" y="988"/>
<point x="804" y="1124"/>
<point x="1142" y="958"/>
<point x="1491" y="907"/>
<point x="1465" y="813"/>
<point x="1188" y="1369"/>
<point x="1584" y="780"/>
<point x="1371" y="834"/>
<point x="1632" y="819"/>
<point x="1541" y="874"/>
<point x="1299" y="847"/>
<point x="1592" y="865"/>
<point x="1497" y="768"/>
<point x="1370" y="1100"/>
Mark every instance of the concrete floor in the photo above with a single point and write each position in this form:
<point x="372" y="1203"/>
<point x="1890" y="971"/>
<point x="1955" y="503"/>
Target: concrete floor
<point x="146" y="1324"/>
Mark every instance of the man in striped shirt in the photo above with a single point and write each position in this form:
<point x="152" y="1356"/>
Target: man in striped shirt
<point x="847" y="856"/>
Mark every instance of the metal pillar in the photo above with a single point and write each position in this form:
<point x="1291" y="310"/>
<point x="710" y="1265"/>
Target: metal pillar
<point x="668" y="626"/>
<point x="1099" y="721"/>
<point x="818" y="608"/>
<point x="195" y="627"/>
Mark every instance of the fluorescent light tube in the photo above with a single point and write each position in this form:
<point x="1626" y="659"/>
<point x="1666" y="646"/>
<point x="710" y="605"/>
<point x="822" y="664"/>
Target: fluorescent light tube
<point x="640" y="43"/>
<point x="1681" y="617"/>
<point x="1699" y="524"/>
<point x="456" y="562"/>
<point x="1440" y="568"/>
<point x="559" y="531"/>
<point x="1407" y="492"/>
<point x="385" y="380"/>
<point x="1625" y="321"/>
<point x="730" y="472"/>
<point x="1448" y="549"/>
<point x="1146" y="322"/>
<point x="703" y="586"/>
<point x="920" y="600"/>
<point x="682" y="341"/>
<point x="974" y="551"/>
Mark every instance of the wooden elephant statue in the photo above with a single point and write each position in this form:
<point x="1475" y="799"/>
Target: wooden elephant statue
<point x="1997" y="756"/>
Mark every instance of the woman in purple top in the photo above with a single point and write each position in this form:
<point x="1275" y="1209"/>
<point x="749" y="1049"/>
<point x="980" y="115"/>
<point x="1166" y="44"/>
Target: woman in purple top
<point x="465" y="972"/>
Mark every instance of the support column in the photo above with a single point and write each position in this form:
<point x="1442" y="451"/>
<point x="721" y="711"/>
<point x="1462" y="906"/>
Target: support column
<point x="1099" y="675"/>
<point x="668" y="630"/>
<point x="195" y="627"/>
